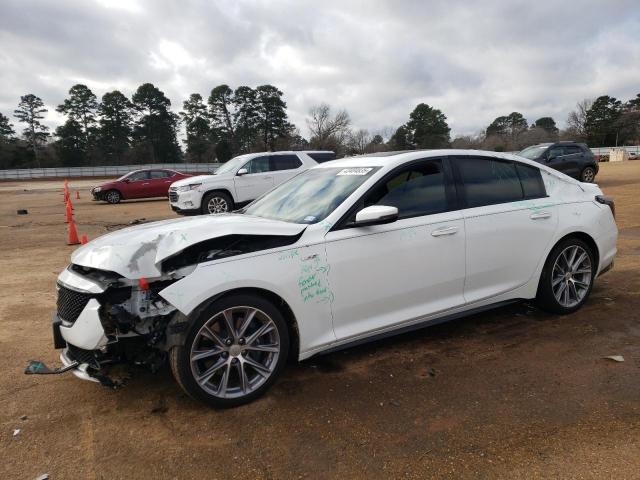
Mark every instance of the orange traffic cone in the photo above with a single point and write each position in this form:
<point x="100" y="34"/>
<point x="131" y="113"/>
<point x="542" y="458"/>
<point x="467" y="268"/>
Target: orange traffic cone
<point x="84" y="239"/>
<point x="77" y="194"/>
<point x="69" y="213"/>
<point x="72" y="238"/>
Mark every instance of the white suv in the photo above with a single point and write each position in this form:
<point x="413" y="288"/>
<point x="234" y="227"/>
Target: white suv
<point x="240" y="181"/>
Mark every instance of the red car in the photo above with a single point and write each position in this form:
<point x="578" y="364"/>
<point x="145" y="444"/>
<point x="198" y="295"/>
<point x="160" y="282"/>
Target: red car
<point x="138" y="184"/>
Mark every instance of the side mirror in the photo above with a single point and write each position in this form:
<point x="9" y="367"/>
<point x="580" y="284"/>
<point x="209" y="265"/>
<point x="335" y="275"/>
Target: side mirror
<point x="376" y="215"/>
<point x="242" y="171"/>
<point x="126" y="180"/>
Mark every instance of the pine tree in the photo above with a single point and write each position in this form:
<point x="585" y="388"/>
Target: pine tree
<point x="428" y="127"/>
<point x="195" y="118"/>
<point x="30" y="111"/>
<point x="155" y="129"/>
<point x="114" y="131"/>
<point x="6" y="129"/>
<point x="273" y="122"/>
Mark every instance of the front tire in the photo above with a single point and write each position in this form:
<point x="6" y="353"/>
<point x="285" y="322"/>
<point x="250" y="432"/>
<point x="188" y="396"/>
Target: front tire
<point x="567" y="277"/>
<point x="113" y="197"/>
<point x="217" y="202"/>
<point x="234" y="351"/>
<point x="588" y="175"/>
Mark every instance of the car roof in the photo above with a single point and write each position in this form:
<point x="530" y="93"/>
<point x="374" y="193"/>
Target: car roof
<point x="395" y="159"/>
<point x="384" y="159"/>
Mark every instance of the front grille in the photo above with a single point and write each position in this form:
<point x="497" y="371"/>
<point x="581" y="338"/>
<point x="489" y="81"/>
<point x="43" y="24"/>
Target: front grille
<point x="173" y="196"/>
<point x="71" y="303"/>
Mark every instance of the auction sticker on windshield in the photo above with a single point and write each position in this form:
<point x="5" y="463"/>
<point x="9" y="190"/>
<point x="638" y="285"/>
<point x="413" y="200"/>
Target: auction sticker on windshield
<point x="354" y="171"/>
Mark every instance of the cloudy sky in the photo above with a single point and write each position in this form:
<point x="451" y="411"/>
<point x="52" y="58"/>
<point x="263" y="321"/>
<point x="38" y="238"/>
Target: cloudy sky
<point x="474" y="60"/>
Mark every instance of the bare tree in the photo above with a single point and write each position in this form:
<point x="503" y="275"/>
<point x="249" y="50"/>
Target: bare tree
<point x="328" y="130"/>
<point x="577" y="118"/>
<point x="360" y="142"/>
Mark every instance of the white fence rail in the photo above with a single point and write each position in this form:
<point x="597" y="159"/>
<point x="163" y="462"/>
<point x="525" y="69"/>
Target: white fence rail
<point x="101" y="171"/>
<point x="605" y="150"/>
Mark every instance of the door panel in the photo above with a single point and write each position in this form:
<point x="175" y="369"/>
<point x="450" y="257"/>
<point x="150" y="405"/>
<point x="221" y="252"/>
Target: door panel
<point x="385" y="275"/>
<point x="258" y="181"/>
<point x="284" y="167"/>
<point x="138" y="186"/>
<point x="505" y="244"/>
<point x="558" y="162"/>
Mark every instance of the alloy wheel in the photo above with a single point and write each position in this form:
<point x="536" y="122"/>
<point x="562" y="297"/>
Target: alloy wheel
<point x="217" y="205"/>
<point x="571" y="276"/>
<point x="113" y="197"/>
<point x="588" y="175"/>
<point x="235" y="352"/>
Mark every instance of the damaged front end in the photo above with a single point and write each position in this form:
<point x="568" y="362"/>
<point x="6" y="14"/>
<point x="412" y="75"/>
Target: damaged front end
<point x="104" y="319"/>
<point x="110" y="309"/>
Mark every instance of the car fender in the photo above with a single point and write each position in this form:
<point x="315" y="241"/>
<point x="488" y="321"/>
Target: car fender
<point x="298" y="275"/>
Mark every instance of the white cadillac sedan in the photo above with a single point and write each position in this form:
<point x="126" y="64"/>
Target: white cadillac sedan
<point x="345" y="252"/>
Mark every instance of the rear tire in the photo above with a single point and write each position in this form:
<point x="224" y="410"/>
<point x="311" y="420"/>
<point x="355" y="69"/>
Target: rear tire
<point x="113" y="197"/>
<point x="588" y="175"/>
<point x="567" y="277"/>
<point x="216" y="202"/>
<point x="234" y="350"/>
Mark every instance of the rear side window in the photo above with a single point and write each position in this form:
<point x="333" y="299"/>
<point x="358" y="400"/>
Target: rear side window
<point x="322" y="157"/>
<point x="531" y="179"/>
<point x="285" y="162"/>
<point x="488" y="181"/>
<point x="144" y="175"/>
<point x="158" y="174"/>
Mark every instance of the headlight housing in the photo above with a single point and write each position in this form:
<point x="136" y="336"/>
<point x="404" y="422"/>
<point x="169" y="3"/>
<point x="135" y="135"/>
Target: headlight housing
<point x="186" y="188"/>
<point x="97" y="189"/>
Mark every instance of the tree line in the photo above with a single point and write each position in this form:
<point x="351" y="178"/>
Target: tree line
<point x="143" y="129"/>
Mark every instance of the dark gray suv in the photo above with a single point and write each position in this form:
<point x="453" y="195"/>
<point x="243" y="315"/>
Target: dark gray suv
<point x="571" y="158"/>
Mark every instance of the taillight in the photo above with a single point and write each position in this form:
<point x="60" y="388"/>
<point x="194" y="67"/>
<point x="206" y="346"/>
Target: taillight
<point x="607" y="201"/>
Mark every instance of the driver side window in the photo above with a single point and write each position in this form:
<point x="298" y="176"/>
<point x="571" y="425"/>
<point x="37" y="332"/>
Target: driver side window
<point x="417" y="190"/>
<point x="258" y="165"/>
<point x="556" y="152"/>
<point x="138" y="176"/>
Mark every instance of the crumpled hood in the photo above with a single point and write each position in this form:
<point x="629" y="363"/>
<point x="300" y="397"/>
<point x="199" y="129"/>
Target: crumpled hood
<point x="137" y="251"/>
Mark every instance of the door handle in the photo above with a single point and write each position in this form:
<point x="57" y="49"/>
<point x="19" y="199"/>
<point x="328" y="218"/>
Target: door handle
<point x="268" y="178"/>
<point x="540" y="215"/>
<point x="444" y="231"/>
<point x="146" y="183"/>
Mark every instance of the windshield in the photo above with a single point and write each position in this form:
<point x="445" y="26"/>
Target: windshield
<point x="311" y="196"/>
<point x="532" y="153"/>
<point x="235" y="162"/>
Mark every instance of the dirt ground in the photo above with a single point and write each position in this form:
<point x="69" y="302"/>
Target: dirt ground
<point x="513" y="393"/>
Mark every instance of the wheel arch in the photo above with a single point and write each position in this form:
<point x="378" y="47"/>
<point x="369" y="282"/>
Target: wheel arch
<point x="585" y="237"/>
<point x="221" y="190"/>
<point x="279" y="302"/>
